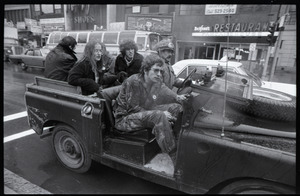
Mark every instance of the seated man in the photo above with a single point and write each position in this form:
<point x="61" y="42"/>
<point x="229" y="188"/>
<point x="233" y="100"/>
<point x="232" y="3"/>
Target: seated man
<point x="146" y="102"/>
<point x="129" y="61"/>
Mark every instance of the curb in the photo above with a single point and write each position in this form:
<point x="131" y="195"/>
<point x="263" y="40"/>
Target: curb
<point x="14" y="184"/>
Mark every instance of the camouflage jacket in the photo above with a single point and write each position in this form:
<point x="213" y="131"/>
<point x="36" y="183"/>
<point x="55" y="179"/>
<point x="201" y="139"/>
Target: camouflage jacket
<point x="134" y="97"/>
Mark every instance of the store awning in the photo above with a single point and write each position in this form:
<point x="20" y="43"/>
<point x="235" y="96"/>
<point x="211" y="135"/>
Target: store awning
<point x="232" y="34"/>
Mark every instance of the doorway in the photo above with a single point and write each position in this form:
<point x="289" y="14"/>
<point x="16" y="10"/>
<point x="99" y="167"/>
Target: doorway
<point x="205" y="52"/>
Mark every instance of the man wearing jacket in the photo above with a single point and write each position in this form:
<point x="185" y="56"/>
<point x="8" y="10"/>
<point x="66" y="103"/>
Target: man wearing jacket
<point x="146" y="102"/>
<point x="61" y="59"/>
<point x="93" y="71"/>
<point x="165" y="50"/>
<point x="129" y="61"/>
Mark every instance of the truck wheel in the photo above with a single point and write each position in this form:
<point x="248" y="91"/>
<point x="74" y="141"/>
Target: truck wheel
<point x="278" y="106"/>
<point x="70" y="150"/>
<point x="24" y="66"/>
<point x="250" y="186"/>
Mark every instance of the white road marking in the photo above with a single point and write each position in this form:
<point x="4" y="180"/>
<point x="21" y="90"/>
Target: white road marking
<point x="18" y="135"/>
<point x="15" y="116"/>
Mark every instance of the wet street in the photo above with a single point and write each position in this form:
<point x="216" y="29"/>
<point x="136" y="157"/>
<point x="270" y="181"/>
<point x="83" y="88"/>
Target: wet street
<point x="33" y="159"/>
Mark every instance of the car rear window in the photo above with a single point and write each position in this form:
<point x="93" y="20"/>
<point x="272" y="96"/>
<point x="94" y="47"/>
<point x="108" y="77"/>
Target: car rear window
<point x="82" y="37"/>
<point x="126" y="35"/>
<point x="95" y="35"/>
<point x="110" y="38"/>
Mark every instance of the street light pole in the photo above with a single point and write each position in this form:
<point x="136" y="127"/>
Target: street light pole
<point x="280" y="27"/>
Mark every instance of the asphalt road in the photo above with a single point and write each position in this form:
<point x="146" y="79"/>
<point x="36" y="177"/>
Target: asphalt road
<point x="32" y="159"/>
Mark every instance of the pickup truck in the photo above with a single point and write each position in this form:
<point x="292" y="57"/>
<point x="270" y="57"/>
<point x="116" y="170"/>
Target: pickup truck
<point x="218" y="152"/>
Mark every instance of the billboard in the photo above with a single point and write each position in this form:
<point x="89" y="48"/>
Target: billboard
<point x="153" y="23"/>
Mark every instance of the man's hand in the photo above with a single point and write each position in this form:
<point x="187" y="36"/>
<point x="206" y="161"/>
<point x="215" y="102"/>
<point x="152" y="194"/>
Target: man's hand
<point x="183" y="97"/>
<point x="122" y="76"/>
<point x="169" y="115"/>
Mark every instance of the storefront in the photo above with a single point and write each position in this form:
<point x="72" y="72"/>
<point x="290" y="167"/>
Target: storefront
<point x="243" y="42"/>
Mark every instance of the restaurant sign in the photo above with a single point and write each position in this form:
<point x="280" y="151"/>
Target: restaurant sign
<point x="234" y="27"/>
<point x="154" y="23"/>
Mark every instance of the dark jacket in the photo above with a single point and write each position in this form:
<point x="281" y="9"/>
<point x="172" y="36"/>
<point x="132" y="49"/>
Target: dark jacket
<point x="58" y="63"/>
<point x="134" y="66"/>
<point x="82" y="75"/>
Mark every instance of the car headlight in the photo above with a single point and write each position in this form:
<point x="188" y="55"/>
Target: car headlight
<point x="8" y="51"/>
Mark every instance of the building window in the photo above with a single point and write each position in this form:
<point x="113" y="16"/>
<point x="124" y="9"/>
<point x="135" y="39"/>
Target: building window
<point x="291" y="19"/>
<point x="145" y="10"/>
<point x="128" y="10"/>
<point x="37" y="9"/>
<point x="57" y="8"/>
<point x="191" y="9"/>
<point x="154" y="9"/>
<point x="47" y="9"/>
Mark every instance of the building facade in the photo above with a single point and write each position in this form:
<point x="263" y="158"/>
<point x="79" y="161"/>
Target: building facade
<point x="208" y="31"/>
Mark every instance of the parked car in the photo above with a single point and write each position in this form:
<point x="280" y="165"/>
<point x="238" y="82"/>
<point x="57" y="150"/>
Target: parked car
<point x="221" y="148"/>
<point x="33" y="57"/>
<point x="12" y="50"/>
<point x="181" y="67"/>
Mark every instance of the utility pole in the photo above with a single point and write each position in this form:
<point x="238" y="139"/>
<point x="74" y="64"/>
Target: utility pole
<point x="276" y="45"/>
<point x="280" y="28"/>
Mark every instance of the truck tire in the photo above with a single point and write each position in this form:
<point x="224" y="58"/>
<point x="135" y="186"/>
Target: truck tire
<point x="255" y="186"/>
<point x="70" y="150"/>
<point x="274" y="109"/>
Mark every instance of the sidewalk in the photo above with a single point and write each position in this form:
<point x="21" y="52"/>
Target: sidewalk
<point x="9" y="191"/>
<point x="14" y="184"/>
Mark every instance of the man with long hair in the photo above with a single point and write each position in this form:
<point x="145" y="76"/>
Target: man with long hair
<point x="129" y="61"/>
<point x="93" y="71"/>
<point x="61" y="59"/>
<point x="146" y="102"/>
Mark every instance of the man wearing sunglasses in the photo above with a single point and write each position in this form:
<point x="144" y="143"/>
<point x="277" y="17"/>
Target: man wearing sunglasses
<point x="146" y="102"/>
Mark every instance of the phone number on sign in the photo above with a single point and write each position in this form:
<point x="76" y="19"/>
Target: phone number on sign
<point x="221" y="11"/>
